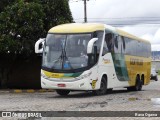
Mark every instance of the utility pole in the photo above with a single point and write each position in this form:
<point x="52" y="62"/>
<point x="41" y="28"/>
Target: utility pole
<point x="85" y="11"/>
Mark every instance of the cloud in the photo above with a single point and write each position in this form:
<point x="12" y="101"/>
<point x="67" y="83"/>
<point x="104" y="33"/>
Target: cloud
<point x="144" y="14"/>
<point x="154" y="39"/>
<point x="140" y="30"/>
<point x="148" y="37"/>
<point x="115" y="9"/>
<point x="157" y="37"/>
<point x="156" y="47"/>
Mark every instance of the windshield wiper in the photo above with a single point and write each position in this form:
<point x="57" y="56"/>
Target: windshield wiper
<point x="63" y="57"/>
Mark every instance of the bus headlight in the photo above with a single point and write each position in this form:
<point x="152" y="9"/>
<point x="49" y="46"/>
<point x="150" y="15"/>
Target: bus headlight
<point x="83" y="76"/>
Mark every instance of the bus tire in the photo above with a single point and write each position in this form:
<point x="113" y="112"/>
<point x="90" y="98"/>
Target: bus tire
<point x="103" y="87"/>
<point x="63" y="92"/>
<point x="156" y="78"/>
<point x="138" y="85"/>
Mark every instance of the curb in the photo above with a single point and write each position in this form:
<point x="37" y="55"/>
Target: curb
<point x="32" y="91"/>
<point x="26" y="90"/>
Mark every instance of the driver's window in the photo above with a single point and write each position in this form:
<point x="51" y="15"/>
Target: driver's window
<point x="99" y="35"/>
<point x="109" y="41"/>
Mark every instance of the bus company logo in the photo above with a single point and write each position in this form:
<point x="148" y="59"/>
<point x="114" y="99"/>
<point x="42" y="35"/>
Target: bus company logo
<point x="94" y="84"/>
<point x="106" y="61"/>
<point x="134" y="61"/>
<point x="6" y="114"/>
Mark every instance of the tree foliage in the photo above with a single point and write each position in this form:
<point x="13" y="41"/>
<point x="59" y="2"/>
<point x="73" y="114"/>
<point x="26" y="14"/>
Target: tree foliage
<point x="21" y="25"/>
<point x="5" y="3"/>
<point x="24" y="21"/>
<point x="57" y="12"/>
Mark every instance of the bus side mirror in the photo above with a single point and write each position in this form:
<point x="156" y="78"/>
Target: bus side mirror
<point x="90" y="45"/>
<point x="39" y="45"/>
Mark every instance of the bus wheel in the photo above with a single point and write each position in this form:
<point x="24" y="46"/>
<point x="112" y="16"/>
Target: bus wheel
<point x="63" y="92"/>
<point x="138" y="86"/>
<point x="103" y="88"/>
<point x="156" y="78"/>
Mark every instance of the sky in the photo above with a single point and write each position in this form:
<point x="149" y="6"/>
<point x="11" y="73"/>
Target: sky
<point x="138" y="17"/>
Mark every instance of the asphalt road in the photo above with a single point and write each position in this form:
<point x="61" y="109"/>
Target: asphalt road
<point x="119" y="100"/>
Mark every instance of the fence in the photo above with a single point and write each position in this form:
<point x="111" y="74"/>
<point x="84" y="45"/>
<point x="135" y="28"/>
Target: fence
<point x="17" y="71"/>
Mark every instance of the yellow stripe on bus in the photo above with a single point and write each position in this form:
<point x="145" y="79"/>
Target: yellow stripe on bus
<point x="53" y="75"/>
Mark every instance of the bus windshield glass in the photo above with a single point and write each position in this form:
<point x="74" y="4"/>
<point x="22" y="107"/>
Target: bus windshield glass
<point x="66" y="51"/>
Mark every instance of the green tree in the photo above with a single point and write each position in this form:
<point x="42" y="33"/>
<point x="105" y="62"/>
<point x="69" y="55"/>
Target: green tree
<point x="5" y="3"/>
<point x="22" y="24"/>
<point x="56" y="12"/>
<point x="24" y="21"/>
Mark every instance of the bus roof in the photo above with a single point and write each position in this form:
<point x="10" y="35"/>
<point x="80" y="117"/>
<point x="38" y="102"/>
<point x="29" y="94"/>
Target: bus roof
<point x="125" y="34"/>
<point x="90" y="27"/>
<point x="77" y="28"/>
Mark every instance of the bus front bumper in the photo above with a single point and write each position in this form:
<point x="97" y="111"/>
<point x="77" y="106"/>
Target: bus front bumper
<point x="83" y="84"/>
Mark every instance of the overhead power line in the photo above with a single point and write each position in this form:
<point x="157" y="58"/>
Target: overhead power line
<point x="148" y="20"/>
<point x="126" y="20"/>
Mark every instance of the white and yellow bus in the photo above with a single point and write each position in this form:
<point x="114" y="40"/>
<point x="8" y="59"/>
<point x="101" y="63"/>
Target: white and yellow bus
<point x="93" y="57"/>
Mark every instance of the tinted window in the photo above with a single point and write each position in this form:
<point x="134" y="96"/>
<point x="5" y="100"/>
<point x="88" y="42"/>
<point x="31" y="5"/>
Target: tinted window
<point x="99" y="42"/>
<point x="136" y="48"/>
<point x="109" y="41"/>
<point x="105" y="48"/>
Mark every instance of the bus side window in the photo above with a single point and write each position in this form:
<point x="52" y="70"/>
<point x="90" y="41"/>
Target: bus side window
<point x="116" y="44"/>
<point x="109" y="41"/>
<point x="123" y="44"/>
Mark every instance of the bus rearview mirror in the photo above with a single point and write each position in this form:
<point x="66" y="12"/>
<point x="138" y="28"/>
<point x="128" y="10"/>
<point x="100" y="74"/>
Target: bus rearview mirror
<point x="90" y="45"/>
<point x="39" y="45"/>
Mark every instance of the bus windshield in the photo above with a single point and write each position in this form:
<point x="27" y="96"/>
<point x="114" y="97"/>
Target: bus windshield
<point x="66" y="51"/>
